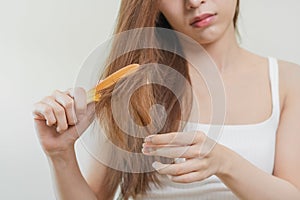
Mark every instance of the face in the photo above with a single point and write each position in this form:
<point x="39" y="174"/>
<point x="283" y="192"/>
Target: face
<point x="203" y="20"/>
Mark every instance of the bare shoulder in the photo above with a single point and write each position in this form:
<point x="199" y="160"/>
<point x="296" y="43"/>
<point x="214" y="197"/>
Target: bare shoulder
<point x="289" y="73"/>
<point x="289" y="77"/>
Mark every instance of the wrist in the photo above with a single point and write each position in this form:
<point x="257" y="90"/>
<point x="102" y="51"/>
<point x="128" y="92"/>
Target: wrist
<point x="62" y="157"/>
<point x="226" y="162"/>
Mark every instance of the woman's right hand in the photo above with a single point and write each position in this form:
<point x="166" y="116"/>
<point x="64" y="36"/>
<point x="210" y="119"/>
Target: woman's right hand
<point x="55" y="118"/>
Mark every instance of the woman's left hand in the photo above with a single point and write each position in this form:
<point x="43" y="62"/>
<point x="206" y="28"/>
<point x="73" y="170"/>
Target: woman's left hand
<point x="203" y="156"/>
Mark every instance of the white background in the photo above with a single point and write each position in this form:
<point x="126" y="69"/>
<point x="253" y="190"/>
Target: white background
<point x="42" y="46"/>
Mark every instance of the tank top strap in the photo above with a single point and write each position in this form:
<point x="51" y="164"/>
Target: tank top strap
<point x="274" y="80"/>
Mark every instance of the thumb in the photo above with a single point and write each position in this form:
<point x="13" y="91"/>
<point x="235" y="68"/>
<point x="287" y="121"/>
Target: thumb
<point x="85" y="120"/>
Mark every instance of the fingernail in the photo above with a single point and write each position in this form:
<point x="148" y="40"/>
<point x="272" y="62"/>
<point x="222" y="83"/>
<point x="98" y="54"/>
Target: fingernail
<point x="147" y="150"/>
<point x="156" y="165"/>
<point x="148" y="139"/>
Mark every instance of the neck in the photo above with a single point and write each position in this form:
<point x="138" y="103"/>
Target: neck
<point x="225" y="51"/>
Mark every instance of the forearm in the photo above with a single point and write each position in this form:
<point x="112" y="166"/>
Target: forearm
<point x="69" y="184"/>
<point x="250" y="183"/>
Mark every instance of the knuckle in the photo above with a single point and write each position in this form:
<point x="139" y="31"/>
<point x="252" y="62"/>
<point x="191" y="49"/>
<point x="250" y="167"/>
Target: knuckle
<point x="47" y="109"/>
<point x="47" y="99"/>
<point x="69" y="104"/>
<point x="178" y="171"/>
<point x="197" y="152"/>
<point x="59" y="111"/>
<point x="69" y="91"/>
<point x="51" y="122"/>
<point x="64" y="127"/>
<point x="56" y="92"/>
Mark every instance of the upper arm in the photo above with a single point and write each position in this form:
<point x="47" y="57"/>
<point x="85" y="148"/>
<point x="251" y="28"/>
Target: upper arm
<point x="93" y="172"/>
<point x="287" y="159"/>
<point x="94" y="176"/>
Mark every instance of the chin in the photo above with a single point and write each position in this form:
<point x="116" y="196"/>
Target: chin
<point x="205" y="40"/>
<point x="207" y="36"/>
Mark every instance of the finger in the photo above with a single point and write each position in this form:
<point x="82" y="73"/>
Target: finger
<point x="178" y="169"/>
<point x="176" y="138"/>
<point x="59" y="113"/>
<point x="150" y="145"/>
<point x="80" y="100"/>
<point x="193" y="151"/>
<point x="85" y="121"/>
<point x="68" y="104"/>
<point x="42" y="111"/>
<point x="190" y="177"/>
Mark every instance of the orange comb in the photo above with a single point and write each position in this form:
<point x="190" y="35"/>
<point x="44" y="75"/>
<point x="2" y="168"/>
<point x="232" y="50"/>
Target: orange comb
<point x="93" y="94"/>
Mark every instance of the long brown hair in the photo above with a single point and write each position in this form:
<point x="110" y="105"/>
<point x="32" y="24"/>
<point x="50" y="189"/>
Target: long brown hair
<point x="139" y="14"/>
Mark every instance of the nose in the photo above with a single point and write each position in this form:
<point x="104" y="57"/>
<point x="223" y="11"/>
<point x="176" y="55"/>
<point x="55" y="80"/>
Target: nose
<point x="190" y="4"/>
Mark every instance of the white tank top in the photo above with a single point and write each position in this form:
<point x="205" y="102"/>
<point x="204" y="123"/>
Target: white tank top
<point x="254" y="142"/>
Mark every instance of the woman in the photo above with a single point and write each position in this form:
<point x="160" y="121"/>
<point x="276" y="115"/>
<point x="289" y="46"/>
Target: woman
<point x="257" y="156"/>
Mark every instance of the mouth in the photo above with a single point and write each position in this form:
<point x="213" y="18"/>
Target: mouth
<point x="203" y="19"/>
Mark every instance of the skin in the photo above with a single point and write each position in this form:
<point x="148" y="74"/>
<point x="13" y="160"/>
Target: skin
<point x="54" y="120"/>
<point x="244" y="179"/>
<point x="55" y="116"/>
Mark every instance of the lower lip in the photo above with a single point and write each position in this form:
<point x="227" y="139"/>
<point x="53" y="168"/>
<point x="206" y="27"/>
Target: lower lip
<point x="205" y="22"/>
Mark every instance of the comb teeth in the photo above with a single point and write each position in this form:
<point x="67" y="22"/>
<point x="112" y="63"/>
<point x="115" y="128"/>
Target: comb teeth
<point x="93" y="94"/>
